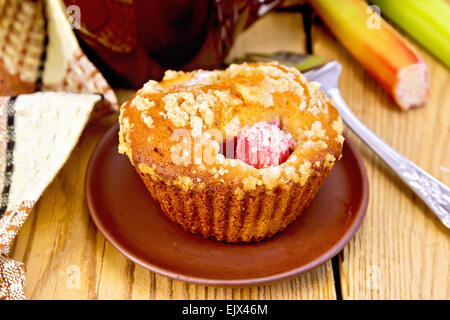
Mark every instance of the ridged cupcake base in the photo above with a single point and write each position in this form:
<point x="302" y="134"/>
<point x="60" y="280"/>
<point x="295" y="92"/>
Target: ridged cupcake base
<point x="219" y="213"/>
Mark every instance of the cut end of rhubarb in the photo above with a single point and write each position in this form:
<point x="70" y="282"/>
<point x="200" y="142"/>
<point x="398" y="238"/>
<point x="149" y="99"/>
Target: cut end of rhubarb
<point x="263" y="145"/>
<point x="412" y="86"/>
<point x="380" y="49"/>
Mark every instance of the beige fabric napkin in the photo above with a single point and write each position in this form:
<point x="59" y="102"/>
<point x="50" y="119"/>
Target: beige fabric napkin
<point x="38" y="52"/>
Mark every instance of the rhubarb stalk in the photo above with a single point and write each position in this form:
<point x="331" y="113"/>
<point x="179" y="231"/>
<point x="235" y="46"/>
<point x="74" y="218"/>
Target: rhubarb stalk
<point x="382" y="51"/>
<point x="428" y="22"/>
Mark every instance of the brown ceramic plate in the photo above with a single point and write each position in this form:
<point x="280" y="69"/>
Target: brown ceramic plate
<point x="123" y="210"/>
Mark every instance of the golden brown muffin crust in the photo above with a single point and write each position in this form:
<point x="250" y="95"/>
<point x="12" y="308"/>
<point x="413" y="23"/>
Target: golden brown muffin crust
<point x="227" y="101"/>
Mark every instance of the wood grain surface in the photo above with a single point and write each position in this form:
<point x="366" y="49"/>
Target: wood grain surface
<point x="400" y="252"/>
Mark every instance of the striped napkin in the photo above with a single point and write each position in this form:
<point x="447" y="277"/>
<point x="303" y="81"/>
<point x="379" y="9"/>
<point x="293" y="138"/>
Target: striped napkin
<point x="49" y="90"/>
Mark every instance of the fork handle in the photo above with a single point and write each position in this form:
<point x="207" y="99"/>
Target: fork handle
<point x="434" y="193"/>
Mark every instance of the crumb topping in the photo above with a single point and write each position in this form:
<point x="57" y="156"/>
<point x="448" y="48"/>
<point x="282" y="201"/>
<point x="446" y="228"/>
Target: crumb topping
<point x="142" y="103"/>
<point x="147" y="119"/>
<point x="180" y="106"/>
<point x="216" y="105"/>
<point x="150" y="87"/>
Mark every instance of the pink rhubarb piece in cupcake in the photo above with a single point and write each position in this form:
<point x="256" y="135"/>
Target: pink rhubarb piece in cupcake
<point x="263" y="145"/>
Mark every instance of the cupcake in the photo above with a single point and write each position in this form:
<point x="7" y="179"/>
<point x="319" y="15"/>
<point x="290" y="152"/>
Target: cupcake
<point x="233" y="155"/>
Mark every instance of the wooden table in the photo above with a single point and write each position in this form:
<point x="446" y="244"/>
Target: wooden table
<point x="400" y="252"/>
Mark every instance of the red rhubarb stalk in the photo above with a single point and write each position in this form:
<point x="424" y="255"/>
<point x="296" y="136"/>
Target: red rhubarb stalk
<point x="382" y="51"/>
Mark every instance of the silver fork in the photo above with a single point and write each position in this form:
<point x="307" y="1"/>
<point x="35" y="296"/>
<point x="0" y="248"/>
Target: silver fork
<point x="435" y="194"/>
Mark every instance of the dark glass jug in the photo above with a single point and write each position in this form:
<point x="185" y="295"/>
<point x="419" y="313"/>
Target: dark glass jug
<point x="132" y="41"/>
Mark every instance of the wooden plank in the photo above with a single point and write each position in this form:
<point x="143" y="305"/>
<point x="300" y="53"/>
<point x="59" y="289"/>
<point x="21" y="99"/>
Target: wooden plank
<point x="402" y="250"/>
